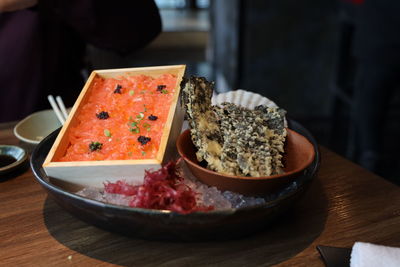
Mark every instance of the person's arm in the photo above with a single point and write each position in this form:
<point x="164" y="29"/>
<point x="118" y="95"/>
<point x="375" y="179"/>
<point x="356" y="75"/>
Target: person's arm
<point x="14" y="5"/>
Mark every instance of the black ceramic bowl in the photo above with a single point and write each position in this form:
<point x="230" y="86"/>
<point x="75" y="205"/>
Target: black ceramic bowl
<point x="12" y="158"/>
<point x="166" y="225"/>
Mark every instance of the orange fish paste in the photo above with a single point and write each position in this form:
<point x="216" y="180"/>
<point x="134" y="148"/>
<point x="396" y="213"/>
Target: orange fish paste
<point x="122" y="119"/>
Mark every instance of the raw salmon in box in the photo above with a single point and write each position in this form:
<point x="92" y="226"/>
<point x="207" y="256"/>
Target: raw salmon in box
<point x="125" y="121"/>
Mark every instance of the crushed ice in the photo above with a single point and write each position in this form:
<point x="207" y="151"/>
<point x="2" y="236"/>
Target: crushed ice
<point x="208" y="196"/>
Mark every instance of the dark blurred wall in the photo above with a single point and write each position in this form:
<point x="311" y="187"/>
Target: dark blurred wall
<point x="282" y="49"/>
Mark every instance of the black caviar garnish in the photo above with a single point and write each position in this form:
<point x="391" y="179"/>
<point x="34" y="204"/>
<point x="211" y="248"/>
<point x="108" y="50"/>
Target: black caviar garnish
<point x="143" y="139"/>
<point x="152" y="117"/>
<point x="161" y="87"/>
<point x="103" y="115"/>
<point x="93" y="146"/>
<point x="118" y="89"/>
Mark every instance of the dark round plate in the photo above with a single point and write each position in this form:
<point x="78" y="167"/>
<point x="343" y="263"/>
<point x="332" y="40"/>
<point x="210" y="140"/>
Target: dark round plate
<point x="166" y="225"/>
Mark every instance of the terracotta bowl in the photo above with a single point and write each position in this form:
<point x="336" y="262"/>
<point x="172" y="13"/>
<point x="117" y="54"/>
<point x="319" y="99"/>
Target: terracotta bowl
<point x="299" y="154"/>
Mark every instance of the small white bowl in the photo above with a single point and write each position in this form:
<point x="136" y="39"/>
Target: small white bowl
<point x="37" y="126"/>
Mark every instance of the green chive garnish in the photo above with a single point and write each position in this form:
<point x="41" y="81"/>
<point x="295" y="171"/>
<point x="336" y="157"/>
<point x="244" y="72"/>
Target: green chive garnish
<point x="107" y="133"/>
<point x="147" y="126"/>
<point x="134" y="130"/>
<point x="140" y="116"/>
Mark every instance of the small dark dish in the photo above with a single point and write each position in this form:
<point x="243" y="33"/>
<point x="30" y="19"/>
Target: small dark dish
<point x="166" y="225"/>
<point x="11" y="158"/>
<point x="299" y="154"/>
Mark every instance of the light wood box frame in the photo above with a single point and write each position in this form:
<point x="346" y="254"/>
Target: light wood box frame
<point x="95" y="173"/>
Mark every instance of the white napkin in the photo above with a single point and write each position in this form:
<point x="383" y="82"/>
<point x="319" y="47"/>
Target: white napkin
<point x="370" y="255"/>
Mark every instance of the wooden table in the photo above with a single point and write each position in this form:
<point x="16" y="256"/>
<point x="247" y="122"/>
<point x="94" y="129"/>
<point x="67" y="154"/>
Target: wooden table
<point x="344" y="204"/>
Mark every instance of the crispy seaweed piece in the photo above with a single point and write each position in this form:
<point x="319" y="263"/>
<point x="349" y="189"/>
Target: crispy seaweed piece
<point x="205" y="132"/>
<point x="233" y="139"/>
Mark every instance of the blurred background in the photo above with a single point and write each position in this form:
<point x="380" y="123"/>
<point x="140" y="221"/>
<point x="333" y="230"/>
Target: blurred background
<point x="297" y="53"/>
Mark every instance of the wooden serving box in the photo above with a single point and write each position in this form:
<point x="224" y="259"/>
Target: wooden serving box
<point x="95" y="173"/>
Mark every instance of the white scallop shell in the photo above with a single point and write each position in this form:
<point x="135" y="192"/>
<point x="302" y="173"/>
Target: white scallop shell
<point x="243" y="98"/>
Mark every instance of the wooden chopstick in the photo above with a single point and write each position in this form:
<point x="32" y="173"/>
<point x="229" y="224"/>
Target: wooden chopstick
<point x="56" y="109"/>
<point x="62" y="107"/>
